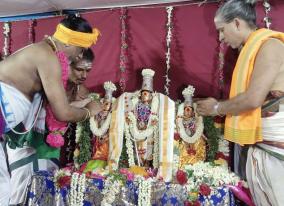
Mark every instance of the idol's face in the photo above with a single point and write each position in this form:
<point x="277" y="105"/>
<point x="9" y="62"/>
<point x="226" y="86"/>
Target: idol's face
<point x="106" y="105"/>
<point x="188" y="111"/>
<point x="146" y="96"/>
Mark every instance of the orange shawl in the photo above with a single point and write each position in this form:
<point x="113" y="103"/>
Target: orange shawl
<point x="245" y="128"/>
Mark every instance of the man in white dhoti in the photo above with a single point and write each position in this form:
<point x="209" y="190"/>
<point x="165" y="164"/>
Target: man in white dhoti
<point x="259" y="73"/>
<point x="41" y="70"/>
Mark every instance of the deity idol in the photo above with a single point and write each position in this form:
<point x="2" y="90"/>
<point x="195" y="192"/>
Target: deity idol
<point x="189" y="139"/>
<point x="99" y="125"/>
<point x="146" y="120"/>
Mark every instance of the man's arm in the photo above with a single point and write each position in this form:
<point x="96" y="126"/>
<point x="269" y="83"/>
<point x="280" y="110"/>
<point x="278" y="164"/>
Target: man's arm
<point x="267" y="64"/>
<point x="49" y="70"/>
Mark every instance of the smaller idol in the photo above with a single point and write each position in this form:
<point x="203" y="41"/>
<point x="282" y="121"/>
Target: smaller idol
<point x="189" y="139"/>
<point x="99" y="125"/>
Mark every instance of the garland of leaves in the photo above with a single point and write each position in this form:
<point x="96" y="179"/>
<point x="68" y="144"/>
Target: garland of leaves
<point x="123" y="49"/>
<point x="267" y="8"/>
<point x="82" y="152"/>
<point x="32" y="24"/>
<point x="169" y="26"/>
<point x="7" y="39"/>
<point x="213" y="136"/>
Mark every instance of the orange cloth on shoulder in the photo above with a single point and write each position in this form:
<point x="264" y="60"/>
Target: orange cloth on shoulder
<point x="245" y="128"/>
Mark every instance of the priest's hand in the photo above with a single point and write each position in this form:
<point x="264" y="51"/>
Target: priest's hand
<point x="81" y="103"/>
<point x="207" y="107"/>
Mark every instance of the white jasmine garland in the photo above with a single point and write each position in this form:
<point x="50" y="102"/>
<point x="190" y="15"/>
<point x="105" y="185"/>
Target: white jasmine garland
<point x="78" y="187"/>
<point x="132" y="133"/>
<point x="6" y="32"/>
<point x="223" y="146"/>
<point x="100" y="132"/>
<point x="180" y="127"/>
<point x="144" y="191"/>
<point x="168" y="52"/>
<point x="129" y="146"/>
<point x="204" y="172"/>
<point x="148" y="132"/>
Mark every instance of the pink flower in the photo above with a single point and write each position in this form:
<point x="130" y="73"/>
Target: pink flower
<point x="55" y="140"/>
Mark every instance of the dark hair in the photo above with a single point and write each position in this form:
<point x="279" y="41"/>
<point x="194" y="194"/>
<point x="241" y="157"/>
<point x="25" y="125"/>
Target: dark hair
<point x="88" y="54"/>
<point x="243" y="9"/>
<point x="77" y="24"/>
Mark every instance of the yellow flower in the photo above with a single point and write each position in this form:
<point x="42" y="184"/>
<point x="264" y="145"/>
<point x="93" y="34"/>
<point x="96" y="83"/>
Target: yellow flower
<point x="138" y="170"/>
<point x="76" y="152"/>
<point x="220" y="161"/>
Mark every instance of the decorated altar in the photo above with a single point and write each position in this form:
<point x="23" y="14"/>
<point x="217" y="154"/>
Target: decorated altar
<point x="44" y="191"/>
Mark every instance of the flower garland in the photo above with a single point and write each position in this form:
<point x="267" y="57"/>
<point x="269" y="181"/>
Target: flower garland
<point x="78" y="187"/>
<point x="100" y="132"/>
<point x="32" y="24"/>
<point x="112" y="187"/>
<point x="82" y="152"/>
<point x="7" y="39"/>
<point x="185" y="137"/>
<point x="56" y="128"/>
<point x="267" y="8"/>
<point x="169" y="26"/>
<point x="213" y="136"/>
<point x="123" y="49"/>
<point x="221" y="67"/>
<point x="133" y="133"/>
<point x="144" y="191"/>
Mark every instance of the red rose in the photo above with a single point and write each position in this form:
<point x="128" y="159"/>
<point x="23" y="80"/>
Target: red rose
<point x="181" y="177"/>
<point x="186" y="203"/>
<point x="176" y="136"/>
<point x="222" y="156"/>
<point x="195" y="203"/>
<point x="204" y="189"/>
<point x="64" y="181"/>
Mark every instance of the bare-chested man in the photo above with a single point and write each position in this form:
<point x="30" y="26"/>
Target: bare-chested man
<point x="259" y="72"/>
<point x="37" y="69"/>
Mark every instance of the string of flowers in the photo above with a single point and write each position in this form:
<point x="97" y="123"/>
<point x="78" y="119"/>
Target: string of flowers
<point x="32" y="24"/>
<point x="221" y="66"/>
<point x="78" y="187"/>
<point x="112" y="187"/>
<point x="7" y="39"/>
<point x="267" y="8"/>
<point x="169" y="26"/>
<point x="144" y="191"/>
<point x="82" y="152"/>
<point x="56" y="128"/>
<point x="123" y="49"/>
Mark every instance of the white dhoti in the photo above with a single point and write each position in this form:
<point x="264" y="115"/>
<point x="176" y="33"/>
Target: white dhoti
<point x="23" y="162"/>
<point x="5" y="186"/>
<point x="16" y="109"/>
<point x="265" y="164"/>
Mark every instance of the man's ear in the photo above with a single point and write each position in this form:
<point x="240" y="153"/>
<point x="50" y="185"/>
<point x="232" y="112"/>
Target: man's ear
<point x="237" y="23"/>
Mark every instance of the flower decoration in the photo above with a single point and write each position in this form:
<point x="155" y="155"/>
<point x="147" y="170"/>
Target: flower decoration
<point x="267" y="9"/>
<point x="123" y="49"/>
<point x="7" y="39"/>
<point x="32" y="24"/>
<point x="169" y="26"/>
